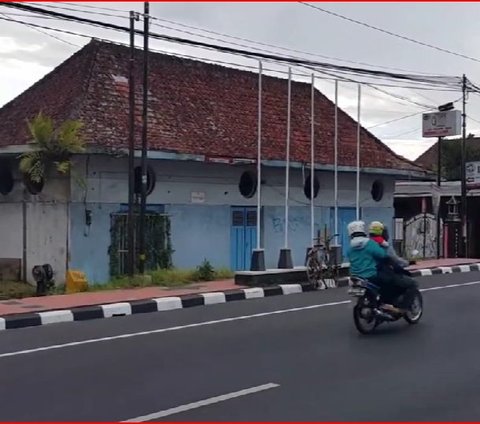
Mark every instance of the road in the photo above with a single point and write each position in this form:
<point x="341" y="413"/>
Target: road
<point x="285" y="358"/>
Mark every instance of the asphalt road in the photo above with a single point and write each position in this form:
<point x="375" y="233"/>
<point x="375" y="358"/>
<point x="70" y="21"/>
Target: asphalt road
<point x="284" y="358"/>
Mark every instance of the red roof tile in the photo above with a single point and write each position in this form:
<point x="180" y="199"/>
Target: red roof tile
<point x="194" y="108"/>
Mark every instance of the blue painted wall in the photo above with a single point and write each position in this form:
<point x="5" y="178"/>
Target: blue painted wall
<point x="200" y="232"/>
<point x="89" y="250"/>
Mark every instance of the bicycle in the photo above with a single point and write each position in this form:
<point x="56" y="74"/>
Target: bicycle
<point x="321" y="272"/>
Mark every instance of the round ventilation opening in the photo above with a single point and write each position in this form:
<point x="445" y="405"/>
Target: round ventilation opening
<point x="307" y="187"/>
<point x="377" y="190"/>
<point x="248" y="184"/>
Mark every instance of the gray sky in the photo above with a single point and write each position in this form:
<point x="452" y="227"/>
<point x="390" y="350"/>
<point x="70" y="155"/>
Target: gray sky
<point x="26" y="54"/>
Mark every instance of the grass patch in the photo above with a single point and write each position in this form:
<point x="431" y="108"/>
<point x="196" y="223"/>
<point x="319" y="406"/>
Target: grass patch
<point x="15" y="290"/>
<point x="167" y="278"/>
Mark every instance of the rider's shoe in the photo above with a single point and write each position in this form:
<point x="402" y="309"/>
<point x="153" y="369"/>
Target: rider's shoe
<point x="390" y="308"/>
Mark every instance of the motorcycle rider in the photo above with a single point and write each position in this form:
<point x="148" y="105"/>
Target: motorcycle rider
<point x="365" y="255"/>
<point x="394" y="267"/>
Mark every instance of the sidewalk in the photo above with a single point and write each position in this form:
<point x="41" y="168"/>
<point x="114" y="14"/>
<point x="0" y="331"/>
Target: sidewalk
<point x="90" y="299"/>
<point x="68" y="301"/>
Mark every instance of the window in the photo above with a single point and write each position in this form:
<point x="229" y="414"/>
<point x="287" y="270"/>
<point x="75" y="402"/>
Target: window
<point x="377" y="190"/>
<point x="307" y="187"/>
<point x="248" y="184"/>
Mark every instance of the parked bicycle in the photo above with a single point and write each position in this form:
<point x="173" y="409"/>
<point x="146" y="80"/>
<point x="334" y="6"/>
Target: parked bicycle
<point x="322" y="272"/>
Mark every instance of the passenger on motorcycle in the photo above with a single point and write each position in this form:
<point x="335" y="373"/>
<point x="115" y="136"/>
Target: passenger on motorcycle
<point x="393" y="268"/>
<point x="365" y="254"/>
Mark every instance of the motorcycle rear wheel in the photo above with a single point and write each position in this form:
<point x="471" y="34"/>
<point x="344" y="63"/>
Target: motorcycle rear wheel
<point x="415" y="312"/>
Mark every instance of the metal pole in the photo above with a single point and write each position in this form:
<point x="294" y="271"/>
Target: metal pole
<point x="439" y="183"/>
<point x="131" y="149"/>
<point x="312" y="163"/>
<point x="287" y="166"/>
<point x="335" y="173"/>
<point x="143" y="202"/>
<point x="259" y="153"/>
<point x="463" y="171"/>
<point x="358" y="154"/>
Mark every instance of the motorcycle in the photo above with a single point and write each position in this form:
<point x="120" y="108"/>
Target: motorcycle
<point x="368" y="313"/>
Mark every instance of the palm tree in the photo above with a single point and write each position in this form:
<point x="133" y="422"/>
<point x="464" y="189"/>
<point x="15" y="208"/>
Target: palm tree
<point x="53" y="147"/>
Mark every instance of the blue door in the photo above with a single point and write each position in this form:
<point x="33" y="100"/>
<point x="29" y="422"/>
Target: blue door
<point x="243" y="237"/>
<point x="345" y="216"/>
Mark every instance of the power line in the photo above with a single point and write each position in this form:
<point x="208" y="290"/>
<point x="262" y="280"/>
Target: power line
<point x="393" y="34"/>
<point x="245" y="39"/>
<point x="438" y="80"/>
<point x="396" y="120"/>
<point x="35" y="28"/>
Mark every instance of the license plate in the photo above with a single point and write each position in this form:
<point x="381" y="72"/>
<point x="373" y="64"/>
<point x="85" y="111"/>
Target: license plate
<point x="356" y="291"/>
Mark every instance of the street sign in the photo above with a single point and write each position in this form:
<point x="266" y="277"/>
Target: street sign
<point x="472" y="171"/>
<point x="442" y="124"/>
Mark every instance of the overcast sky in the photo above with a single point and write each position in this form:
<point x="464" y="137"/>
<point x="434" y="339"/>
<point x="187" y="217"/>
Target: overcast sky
<point x="27" y="54"/>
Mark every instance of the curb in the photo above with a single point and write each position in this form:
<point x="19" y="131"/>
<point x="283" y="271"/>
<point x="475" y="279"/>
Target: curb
<point x="163" y="304"/>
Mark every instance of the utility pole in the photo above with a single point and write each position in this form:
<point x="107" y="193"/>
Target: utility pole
<point x="439" y="184"/>
<point x="131" y="148"/>
<point x="463" y="170"/>
<point x="143" y="196"/>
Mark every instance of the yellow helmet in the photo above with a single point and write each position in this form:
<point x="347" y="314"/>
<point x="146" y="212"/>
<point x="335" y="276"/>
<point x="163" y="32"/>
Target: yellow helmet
<point x="376" y="228"/>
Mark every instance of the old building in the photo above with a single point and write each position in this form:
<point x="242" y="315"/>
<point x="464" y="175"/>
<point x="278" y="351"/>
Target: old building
<point x="202" y="144"/>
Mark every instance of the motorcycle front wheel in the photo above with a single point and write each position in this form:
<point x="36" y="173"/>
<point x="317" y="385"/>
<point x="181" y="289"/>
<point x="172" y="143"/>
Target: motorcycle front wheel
<point x="415" y="312"/>
<point x="364" y="317"/>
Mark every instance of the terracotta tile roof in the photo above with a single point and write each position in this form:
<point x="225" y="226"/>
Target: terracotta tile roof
<point x="428" y="159"/>
<point x="194" y="108"/>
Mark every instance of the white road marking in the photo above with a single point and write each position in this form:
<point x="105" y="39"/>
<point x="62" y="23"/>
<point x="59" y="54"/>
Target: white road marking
<point x="254" y="293"/>
<point x="55" y="317"/>
<point x="123" y="308"/>
<point x="168" y="303"/>
<point x="199" y="404"/>
<point x="213" y="298"/>
<point x="464" y="268"/>
<point x="451" y="286"/>
<point x="167" y="330"/>
<point x="202" y="324"/>
<point x="291" y="288"/>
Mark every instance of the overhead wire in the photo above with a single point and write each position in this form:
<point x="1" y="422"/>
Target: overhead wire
<point x="437" y="80"/>
<point x="391" y="33"/>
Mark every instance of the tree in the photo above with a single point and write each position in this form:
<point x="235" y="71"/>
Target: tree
<point x="52" y="147"/>
<point x="452" y="157"/>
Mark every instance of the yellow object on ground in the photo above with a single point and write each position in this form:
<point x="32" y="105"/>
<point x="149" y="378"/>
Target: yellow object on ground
<point x="75" y="282"/>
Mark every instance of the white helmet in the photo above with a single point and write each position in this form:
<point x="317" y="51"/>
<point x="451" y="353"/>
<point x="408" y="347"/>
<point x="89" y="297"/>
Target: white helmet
<point x="356" y="227"/>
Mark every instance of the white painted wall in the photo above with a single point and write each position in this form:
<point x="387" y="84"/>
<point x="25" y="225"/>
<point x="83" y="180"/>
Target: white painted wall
<point x="46" y="226"/>
<point x="108" y="183"/>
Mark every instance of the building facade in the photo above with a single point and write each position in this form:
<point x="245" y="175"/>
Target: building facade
<point x="202" y="158"/>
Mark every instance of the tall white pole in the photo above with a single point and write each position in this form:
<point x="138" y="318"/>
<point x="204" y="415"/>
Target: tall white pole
<point x="259" y="153"/>
<point x="287" y="166"/>
<point x="335" y="176"/>
<point x="312" y="164"/>
<point x="358" y="152"/>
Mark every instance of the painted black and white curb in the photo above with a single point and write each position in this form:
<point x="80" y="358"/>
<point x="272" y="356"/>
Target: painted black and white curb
<point x="181" y="302"/>
<point x="145" y="306"/>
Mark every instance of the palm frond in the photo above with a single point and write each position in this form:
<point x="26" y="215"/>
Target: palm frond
<point x="42" y="131"/>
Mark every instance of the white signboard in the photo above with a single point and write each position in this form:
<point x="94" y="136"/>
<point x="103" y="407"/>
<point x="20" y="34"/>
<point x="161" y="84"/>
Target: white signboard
<point x="442" y="124"/>
<point x="197" y="197"/>
<point x="472" y="172"/>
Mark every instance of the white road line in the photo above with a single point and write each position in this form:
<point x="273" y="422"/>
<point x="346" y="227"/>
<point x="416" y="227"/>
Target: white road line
<point x="451" y="286"/>
<point x="168" y="329"/>
<point x="202" y="324"/>
<point x="199" y="404"/>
